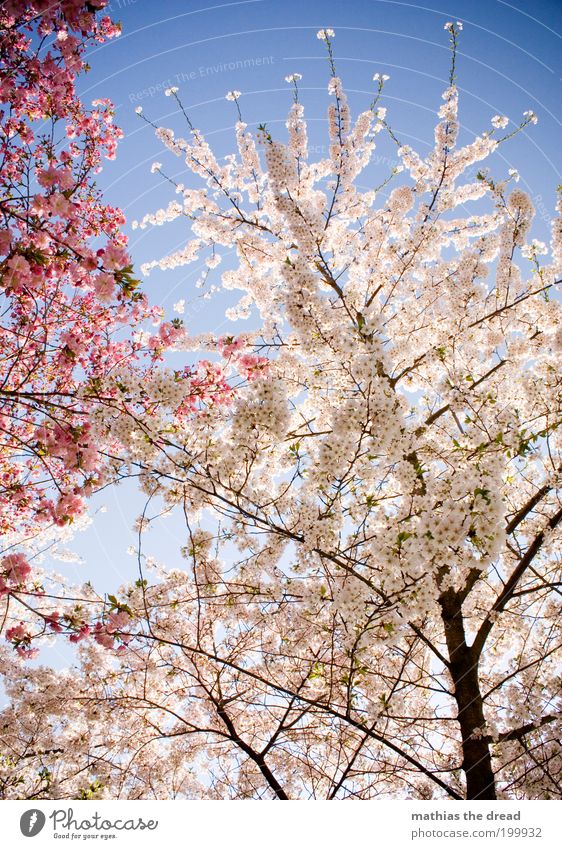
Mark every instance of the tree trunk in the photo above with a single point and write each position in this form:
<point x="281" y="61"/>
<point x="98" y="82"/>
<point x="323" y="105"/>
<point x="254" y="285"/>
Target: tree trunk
<point x="463" y="666"/>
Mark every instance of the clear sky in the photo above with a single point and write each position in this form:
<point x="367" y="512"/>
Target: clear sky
<point x="509" y="61"/>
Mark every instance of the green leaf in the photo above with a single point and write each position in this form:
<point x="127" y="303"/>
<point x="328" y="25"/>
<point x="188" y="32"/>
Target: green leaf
<point x="483" y="493"/>
<point x="402" y="537"/>
<point x="317" y="671"/>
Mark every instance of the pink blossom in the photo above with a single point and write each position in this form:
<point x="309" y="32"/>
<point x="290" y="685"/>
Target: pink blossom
<point x="52" y="619"/>
<point x="117" y="620"/>
<point x="228" y="345"/>
<point x="114" y="257"/>
<point x="103" y="637"/>
<point x="48" y="177"/>
<point x="59" y="205"/>
<point x="5" y="241"/>
<point x="104" y="287"/>
<point x="67" y="508"/>
<point x="16" y="568"/>
<point x="83" y="632"/>
<point x="18" y="272"/>
<point x="21" y="637"/>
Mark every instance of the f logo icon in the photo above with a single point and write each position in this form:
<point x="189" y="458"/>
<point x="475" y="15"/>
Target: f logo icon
<point x="31" y="822"/>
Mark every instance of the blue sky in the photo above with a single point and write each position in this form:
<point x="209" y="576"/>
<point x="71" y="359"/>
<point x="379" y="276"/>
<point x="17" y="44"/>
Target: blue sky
<point x="509" y="61"/>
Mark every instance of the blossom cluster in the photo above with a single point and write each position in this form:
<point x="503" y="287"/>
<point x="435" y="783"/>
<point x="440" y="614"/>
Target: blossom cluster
<point x="65" y="273"/>
<point x="368" y="598"/>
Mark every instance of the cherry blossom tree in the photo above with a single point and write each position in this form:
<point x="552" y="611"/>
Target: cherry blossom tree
<point x="369" y="599"/>
<point x="72" y="313"/>
<point x="65" y="275"/>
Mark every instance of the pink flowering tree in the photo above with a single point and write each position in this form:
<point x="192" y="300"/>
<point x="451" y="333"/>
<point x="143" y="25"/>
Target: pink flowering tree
<point x="369" y="600"/>
<point x="65" y="275"/>
<point x="75" y="355"/>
